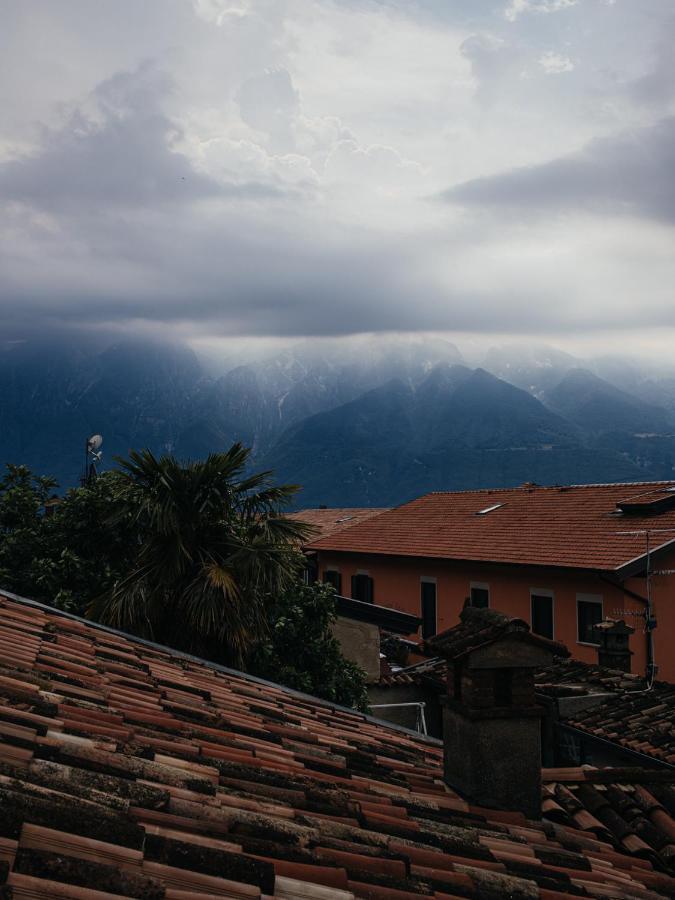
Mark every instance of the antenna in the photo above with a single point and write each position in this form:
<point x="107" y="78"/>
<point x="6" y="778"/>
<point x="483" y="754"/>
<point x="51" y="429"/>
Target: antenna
<point x="92" y="457"/>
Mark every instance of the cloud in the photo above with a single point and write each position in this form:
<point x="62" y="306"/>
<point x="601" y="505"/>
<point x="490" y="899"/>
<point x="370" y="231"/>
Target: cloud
<point x="262" y="167"/>
<point x="121" y="152"/>
<point x="555" y="63"/>
<point x="516" y="8"/>
<point x="627" y="174"/>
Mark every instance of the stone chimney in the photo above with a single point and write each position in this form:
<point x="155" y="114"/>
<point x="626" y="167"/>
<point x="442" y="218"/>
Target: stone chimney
<point x="491" y="721"/>
<point x="613" y="644"/>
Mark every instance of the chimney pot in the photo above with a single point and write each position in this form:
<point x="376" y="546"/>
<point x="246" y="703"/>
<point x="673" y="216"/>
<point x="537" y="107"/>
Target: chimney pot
<point x="614" y="644"/>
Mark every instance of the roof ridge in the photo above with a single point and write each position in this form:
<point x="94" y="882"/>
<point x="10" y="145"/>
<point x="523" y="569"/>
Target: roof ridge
<point x="543" y="487"/>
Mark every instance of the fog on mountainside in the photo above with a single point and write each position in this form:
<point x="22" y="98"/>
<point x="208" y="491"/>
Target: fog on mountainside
<point x="359" y="422"/>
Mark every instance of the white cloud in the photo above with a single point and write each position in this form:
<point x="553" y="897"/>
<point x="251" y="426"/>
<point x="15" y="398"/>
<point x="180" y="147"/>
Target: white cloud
<point x="265" y="166"/>
<point x="517" y="7"/>
<point x="555" y="63"/>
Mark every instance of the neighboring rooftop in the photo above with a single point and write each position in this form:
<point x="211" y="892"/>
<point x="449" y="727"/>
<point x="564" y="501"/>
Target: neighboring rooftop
<point x="642" y="721"/>
<point x="330" y="521"/>
<point x="130" y="770"/>
<point x="629" y="714"/>
<point x="576" y="527"/>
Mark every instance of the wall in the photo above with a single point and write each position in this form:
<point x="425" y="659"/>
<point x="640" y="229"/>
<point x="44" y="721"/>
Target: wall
<point x="360" y="643"/>
<point x="663" y="605"/>
<point x="397" y="585"/>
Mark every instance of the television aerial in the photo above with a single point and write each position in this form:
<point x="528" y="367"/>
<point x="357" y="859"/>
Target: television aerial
<point x="92" y="458"/>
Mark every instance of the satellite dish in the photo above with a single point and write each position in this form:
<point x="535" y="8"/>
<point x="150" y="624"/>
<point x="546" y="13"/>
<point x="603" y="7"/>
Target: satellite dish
<point x="94" y="443"/>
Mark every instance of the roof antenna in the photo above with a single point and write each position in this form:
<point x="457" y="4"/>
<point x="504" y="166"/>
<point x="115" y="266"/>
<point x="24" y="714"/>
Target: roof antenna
<point x="92" y="458"/>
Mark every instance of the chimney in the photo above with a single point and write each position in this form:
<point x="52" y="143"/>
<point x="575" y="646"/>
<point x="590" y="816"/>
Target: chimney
<point x="613" y="644"/>
<point x="491" y="721"/>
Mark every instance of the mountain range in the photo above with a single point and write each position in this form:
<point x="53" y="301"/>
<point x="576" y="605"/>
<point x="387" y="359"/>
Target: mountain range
<point x="359" y="423"/>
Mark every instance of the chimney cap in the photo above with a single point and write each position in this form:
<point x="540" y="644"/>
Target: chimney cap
<point x="613" y="626"/>
<point x="479" y="628"/>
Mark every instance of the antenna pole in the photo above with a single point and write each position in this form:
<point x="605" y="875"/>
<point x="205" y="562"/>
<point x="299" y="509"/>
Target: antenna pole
<point x="649" y="618"/>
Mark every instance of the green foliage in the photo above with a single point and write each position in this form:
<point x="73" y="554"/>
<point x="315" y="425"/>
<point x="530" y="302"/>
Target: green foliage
<point x="68" y="557"/>
<point x="84" y="555"/>
<point x="196" y="556"/>
<point x="301" y="652"/>
<point x="213" y="548"/>
<point x="22" y="497"/>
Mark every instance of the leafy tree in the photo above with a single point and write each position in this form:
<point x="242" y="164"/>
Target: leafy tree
<point x="82" y="554"/>
<point x="213" y="549"/>
<point x="300" y="651"/>
<point x="22" y="499"/>
<point x="196" y="556"/>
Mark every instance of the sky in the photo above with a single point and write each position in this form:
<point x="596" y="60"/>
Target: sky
<point x="278" y="169"/>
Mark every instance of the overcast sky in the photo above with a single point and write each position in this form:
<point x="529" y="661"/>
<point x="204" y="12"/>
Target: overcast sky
<point x="217" y="168"/>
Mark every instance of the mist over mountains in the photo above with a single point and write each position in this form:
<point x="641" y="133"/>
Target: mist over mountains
<point x="356" y="423"/>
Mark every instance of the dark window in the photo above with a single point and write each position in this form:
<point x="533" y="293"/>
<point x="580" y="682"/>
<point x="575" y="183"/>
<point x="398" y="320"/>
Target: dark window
<point x="428" y="602"/>
<point x="480" y="597"/>
<point x="589" y="613"/>
<point x="542" y="615"/>
<point x="330" y="576"/>
<point x="362" y="588"/>
<point x="502" y="684"/>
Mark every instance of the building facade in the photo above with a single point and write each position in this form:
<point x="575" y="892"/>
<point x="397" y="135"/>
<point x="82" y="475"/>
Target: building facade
<point x="562" y="559"/>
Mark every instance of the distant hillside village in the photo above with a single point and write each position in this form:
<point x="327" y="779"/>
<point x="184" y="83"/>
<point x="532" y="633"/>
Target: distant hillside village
<point x="517" y="740"/>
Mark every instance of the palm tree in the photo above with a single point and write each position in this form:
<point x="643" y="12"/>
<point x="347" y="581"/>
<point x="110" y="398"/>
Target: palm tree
<point x="213" y="547"/>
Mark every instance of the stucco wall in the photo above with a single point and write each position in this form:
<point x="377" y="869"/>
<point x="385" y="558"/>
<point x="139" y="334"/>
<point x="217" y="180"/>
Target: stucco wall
<point x="397" y="585"/>
<point x="360" y="643"/>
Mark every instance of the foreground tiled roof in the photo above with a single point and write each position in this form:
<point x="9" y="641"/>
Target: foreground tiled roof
<point x="129" y="770"/>
<point x="554" y="526"/>
<point x="627" y="807"/>
<point x="329" y="521"/>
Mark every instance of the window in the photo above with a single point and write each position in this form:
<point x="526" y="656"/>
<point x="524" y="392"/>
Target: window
<point x="589" y="613"/>
<point x="541" y="603"/>
<point x="362" y="588"/>
<point x="480" y="596"/>
<point x="428" y="606"/>
<point x="331" y="576"/>
<point x="489" y="509"/>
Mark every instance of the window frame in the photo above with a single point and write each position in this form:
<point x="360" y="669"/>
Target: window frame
<point x="338" y="572"/>
<point x="481" y="586"/>
<point x="598" y="600"/>
<point x="425" y="579"/>
<point x="360" y="573"/>
<point x="549" y="594"/>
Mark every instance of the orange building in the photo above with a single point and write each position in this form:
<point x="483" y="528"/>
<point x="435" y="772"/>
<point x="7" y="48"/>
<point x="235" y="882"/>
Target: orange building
<point x="561" y="558"/>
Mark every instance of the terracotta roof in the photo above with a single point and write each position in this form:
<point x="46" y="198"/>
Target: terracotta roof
<point x="479" y="627"/>
<point x="630" y="715"/>
<point x="631" y="808"/>
<point x="329" y="521"/>
<point x="643" y="721"/>
<point x="130" y="770"/>
<point x="575" y="527"/>
<point x="571" y="677"/>
<point x="434" y="670"/>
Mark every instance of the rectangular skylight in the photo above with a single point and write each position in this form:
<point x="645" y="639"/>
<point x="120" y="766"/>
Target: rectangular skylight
<point x="489" y="509"/>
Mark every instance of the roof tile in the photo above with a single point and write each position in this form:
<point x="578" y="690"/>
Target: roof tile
<point x="264" y="792"/>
